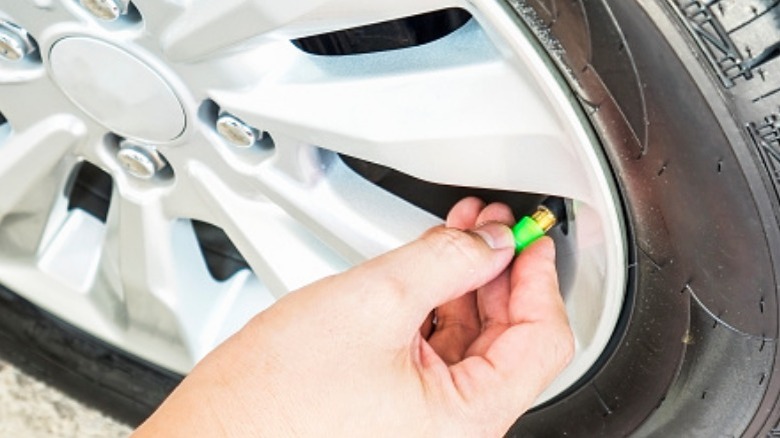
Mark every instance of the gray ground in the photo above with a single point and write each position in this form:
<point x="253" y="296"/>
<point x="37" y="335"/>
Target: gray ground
<point x="29" y="408"/>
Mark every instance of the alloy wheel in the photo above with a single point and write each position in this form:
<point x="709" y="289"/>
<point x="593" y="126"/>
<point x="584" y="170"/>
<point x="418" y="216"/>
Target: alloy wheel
<point x="169" y="169"/>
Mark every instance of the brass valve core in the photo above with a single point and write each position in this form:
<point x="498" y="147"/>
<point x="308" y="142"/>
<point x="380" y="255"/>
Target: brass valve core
<point x="545" y="218"/>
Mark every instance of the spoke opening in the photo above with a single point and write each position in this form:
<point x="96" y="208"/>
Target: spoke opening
<point x="220" y="254"/>
<point x="388" y="35"/>
<point x="434" y="198"/>
<point x="208" y="113"/>
<point x="5" y="130"/>
<point x="132" y="16"/>
<point x="89" y="190"/>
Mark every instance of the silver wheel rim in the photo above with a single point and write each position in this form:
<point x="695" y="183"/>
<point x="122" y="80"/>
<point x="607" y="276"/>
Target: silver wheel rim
<point x="487" y="111"/>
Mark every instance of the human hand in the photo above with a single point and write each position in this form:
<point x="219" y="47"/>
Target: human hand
<point x="358" y="353"/>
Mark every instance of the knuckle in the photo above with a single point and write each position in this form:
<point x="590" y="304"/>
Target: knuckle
<point x="453" y="243"/>
<point x="395" y="291"/>
<point x="373" y="283"/>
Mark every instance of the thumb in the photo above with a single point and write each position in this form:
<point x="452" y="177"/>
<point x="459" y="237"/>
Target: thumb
<point x="440" y="266"/>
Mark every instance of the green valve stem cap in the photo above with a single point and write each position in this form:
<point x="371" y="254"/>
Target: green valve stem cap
<point x="526" y="232"/>
<point x="529" y="229"/>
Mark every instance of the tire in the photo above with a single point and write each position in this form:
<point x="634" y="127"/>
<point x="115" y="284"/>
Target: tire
<point x="92" y="371"/>
<point x="694" y="149"/>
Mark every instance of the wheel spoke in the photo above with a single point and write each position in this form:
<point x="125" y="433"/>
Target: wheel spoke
<point x="29" y="227"/>
<point x="446" y="112"/>
<point x="140" y="251"/>
<point x="206" y="26"/>
<point x="155" y="264"/>
<point x="275" y="245"/>
<point x="36" y="17"/>
<point x="300" y="161"/>
<point x="351" y="215"/>
<point x="27" y="160"/>
<point x="26" y="114"/>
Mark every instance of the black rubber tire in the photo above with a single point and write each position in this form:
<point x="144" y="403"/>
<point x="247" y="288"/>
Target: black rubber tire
<point x="122" y="386"/>
<point x="695" y="157"/>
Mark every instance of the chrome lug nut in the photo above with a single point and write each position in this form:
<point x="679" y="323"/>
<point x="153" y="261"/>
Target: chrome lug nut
<point x="108" y="10"/>
<point x="11" y="48"/>
<point x="141" y="161"/>
<point x="15" y="43"/>
<point x="237" y="132"/>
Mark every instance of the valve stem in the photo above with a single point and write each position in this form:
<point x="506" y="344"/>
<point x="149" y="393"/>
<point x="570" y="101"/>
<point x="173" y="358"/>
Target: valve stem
<point x="530" y="228"/>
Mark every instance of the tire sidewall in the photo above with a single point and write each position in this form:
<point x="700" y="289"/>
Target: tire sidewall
<point x="697" y="334"/>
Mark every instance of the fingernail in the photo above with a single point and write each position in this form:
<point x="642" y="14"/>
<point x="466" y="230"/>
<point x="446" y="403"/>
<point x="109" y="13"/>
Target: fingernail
<point x="497" y="236"/>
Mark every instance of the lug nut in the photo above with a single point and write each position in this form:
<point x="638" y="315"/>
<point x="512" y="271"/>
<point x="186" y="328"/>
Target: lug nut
<point x="108" y="10"/>
<point x="15" y="43"/>
<point x="141" y="161"/>
<point x="237" y="132"/>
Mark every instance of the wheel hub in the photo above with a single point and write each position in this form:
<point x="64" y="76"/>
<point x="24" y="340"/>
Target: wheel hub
<point x="117" y="89"/>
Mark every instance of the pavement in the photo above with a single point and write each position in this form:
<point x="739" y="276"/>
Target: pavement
<point x="31" y="409"/>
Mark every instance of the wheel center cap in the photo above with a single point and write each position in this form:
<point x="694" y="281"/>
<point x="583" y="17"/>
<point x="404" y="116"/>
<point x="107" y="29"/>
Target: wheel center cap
<point x="117" y="89"/>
